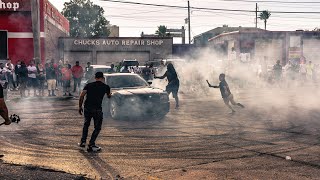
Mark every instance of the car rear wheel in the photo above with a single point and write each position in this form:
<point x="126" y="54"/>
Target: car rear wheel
<point x="114" y="110"/>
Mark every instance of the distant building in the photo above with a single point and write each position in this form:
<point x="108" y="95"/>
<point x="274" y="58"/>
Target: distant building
<point x="270" y="45"/>
<point x="16" y="36"/>
<point x="201" y="40"/>
<point x="114" y="31"/>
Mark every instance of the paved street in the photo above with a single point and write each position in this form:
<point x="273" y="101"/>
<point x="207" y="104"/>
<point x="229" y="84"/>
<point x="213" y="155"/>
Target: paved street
<point x="198" y="141"/>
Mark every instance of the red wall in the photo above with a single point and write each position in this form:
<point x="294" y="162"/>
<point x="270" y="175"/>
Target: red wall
<point x="20" y="21"/>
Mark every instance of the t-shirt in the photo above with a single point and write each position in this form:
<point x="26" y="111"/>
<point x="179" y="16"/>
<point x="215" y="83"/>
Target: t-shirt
<point x="1" y="92"/>
<point x="224" y="89"/>
<point x="95" y="93"/>
<point x="33" y="71"/>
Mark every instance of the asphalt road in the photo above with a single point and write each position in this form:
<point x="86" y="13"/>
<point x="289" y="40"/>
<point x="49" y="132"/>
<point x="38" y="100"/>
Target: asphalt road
<point x="198" y="141"/>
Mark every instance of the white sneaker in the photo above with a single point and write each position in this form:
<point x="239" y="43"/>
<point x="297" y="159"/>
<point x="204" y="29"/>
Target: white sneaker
<point x="93" y="148"/>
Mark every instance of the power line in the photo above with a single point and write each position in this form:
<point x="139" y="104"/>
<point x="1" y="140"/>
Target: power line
<point x="285" y="2"/>
<point x="211" y="9"/>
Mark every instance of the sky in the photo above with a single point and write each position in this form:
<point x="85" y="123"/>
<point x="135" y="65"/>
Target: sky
<point x="134" y="19"/>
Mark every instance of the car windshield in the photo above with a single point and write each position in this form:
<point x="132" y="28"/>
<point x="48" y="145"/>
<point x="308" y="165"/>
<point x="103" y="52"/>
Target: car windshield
<point x="124" y="81"/>
<point x="103" y="70"/>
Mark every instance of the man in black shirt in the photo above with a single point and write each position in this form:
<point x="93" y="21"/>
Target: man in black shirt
<point x="3" y="111"/>
<point x="3" y="108"/>
<point x="226" y="93"/>
<point x="93" y="109"/>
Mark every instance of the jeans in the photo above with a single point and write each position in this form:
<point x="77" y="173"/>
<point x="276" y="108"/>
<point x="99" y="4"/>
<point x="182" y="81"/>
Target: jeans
<point x="97" y="116"/>
<point x="76" y="82"/>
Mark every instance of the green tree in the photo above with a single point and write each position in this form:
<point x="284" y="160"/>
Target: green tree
<point x="86" y="19"/>
<point x="162" y="31"/>
<point x="264" y="15"/>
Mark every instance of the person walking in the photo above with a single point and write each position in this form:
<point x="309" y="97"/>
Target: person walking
<point x="23" y="77"/>
<point x="173" y="82"/>
<point x="41" y="78"/>
<point x="77" y="73"/>
<point x="32" y="78"/>
<point x="51" y="78"/>
<point x="226" y="94"/>
<point x="66" y="78"/>
<point x="94" y="92"/>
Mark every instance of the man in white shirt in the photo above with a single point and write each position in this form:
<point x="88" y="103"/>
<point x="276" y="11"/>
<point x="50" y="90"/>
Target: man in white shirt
<point x="10" y="70"/>
<point x="32" y="76"/>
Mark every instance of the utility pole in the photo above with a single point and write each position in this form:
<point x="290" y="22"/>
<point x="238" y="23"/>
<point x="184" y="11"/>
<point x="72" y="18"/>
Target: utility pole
<point x="256" y="15"/>
<point x="35" y="14"/>
<point x="189" y="26"/>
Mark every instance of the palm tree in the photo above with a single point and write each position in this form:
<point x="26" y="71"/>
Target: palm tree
<point x="162" y="31"/>
<point x="264" y="15"/>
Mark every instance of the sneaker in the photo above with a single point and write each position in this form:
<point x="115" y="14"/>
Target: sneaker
<point x="70" y="94"/>
<point x="94" y="148"/>
<point x="240" y="105"/>
<point x="1" y="155"/>
<point x="82" y="144"/>
<point x="53" y="95"/>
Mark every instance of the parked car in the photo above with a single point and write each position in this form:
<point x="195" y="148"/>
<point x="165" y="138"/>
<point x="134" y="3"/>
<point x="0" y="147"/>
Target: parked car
<point x="133" y="97"/>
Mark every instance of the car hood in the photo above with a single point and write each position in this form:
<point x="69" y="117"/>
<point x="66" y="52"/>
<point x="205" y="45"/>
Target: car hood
<point x="137" y="91"/>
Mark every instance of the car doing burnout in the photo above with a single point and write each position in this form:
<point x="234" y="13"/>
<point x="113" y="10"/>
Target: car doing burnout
<point x="133" y="97"/>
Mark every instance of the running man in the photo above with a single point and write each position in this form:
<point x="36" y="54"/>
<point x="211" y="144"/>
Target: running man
<point x="226" y="93"/>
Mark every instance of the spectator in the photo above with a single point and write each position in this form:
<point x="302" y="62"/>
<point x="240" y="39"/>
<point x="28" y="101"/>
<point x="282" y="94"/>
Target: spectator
<point x="23" y="79"/>
<point x="10" y="71"/>
<point x="66" y="78"/>
<point x="277" y="71"/>
<point x="310" y="69"/>
<point x="88" y="71"/>
<point x="125" y="69"/>
<point x="77" y="73"/>
<point x="41" y="78"/>
<point x="32" y="78"/>
<point x="16" y="71"/>
<point x="111" y="70"/>
<point x="60" y="66"/>
<point x="3" y="79"/>
<point x="51" y="78"/>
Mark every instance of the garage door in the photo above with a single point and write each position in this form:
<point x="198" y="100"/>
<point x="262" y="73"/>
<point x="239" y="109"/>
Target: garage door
<point x="82" y="57"/>
<point x="106" y="58"/>
<point x="311" y="49"/>
<point x="272" y="49"/>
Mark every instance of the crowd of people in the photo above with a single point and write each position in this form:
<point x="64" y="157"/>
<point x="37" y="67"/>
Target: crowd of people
<point x="37" y="77"/>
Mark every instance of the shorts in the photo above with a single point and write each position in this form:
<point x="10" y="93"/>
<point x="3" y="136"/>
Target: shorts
<point x="173" y="88"/>
<point x="51" y="84"/>
<point x="229" y="99"/>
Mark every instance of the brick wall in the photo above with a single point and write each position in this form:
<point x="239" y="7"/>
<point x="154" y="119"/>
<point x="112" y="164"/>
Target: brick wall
<point x="51" y="41"/>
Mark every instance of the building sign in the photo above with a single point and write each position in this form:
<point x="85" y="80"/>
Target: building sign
<point x="9" y="5"/>
<point x="294" y="52"/>
<point x="116" y="42"/>
<point x="15" y="5"/>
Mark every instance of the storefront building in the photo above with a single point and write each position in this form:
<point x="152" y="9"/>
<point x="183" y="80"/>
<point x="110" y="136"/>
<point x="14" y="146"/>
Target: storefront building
<point x="16" y="36"/>
<point x="113" y="50"/>
<point x="270" y="45"/>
